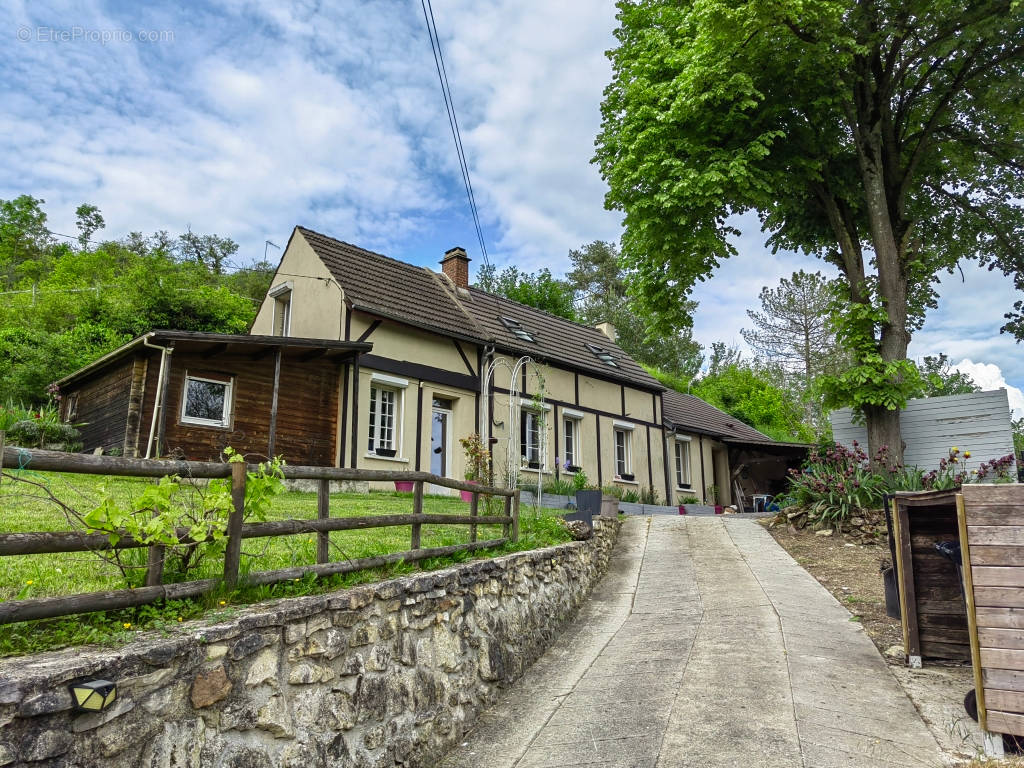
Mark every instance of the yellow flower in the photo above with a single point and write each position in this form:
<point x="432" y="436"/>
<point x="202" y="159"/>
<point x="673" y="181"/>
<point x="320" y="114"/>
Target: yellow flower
<point x="954" y="449"/>
<point x="30" y="582"/>
<point x="180" y="619"/>
<point x="223" y="602"/>
<point x="967" y="454"/>
<point x="127" y="625"/>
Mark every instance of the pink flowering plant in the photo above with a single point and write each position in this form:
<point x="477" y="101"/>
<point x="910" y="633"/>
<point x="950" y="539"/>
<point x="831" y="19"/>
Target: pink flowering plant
<point x="836" y="482"/>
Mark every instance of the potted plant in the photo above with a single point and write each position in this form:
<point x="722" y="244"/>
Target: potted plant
<point x="478" y="462"/>
<point x="386" y="452"/>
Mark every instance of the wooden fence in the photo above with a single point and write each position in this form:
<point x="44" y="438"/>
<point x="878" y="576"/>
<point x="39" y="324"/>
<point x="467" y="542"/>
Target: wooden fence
<point x="48" y="542"/>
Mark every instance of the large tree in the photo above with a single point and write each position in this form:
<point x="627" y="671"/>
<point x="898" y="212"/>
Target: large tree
<point x="884" y="137"/>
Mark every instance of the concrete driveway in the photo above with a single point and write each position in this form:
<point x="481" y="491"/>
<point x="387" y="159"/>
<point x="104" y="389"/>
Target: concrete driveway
<point x="705" y="645"/>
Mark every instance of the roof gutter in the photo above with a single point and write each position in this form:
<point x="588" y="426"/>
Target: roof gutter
<point x="161" y="390"/>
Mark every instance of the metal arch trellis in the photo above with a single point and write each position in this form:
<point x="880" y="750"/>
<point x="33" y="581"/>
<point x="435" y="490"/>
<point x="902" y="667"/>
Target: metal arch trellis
<point x="515" y="408"/>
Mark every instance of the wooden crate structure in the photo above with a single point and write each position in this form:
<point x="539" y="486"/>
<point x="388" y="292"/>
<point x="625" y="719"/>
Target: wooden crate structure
<point x="991" y="519"/>
<point x="932" y="606"/>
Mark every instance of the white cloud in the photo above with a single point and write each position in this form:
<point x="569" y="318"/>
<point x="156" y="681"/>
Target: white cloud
<point x="260" y="115"/>
<point x="989" y="376"/>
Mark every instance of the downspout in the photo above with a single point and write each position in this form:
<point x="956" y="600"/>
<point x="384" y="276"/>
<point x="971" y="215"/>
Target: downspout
<point x="158" y="399"/>
<point x="703" y="482"/>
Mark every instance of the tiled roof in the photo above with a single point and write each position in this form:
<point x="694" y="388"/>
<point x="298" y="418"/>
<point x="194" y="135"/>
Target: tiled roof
<point x="391" y="288"/>
<point x="690" y="412"/>
<point x="556" y="338"/>
<point x="417" y="296"/>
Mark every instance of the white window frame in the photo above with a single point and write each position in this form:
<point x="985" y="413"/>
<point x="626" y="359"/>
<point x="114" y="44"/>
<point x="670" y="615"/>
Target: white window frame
<point x="682" y="463"/>
<point x="535" y="414"/>
<point x="627" y="441"/>
<point x="572" y="422"/>
<point x="282" y="296"/>
<point x="375" y="413"/>
<point x="225" y="420"/>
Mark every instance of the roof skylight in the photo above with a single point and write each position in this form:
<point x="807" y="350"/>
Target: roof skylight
<point x="603" y="355"/>
<point x="517" y="329"/>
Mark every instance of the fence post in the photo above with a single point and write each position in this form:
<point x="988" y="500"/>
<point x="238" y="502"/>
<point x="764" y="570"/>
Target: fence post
<point x="417" y="509"/>
<point x="506" y="527"/>
<point x="233" y="553"/>
<point x="473" y="512"/>
<point x="515" y="517"/>
<point x="323" y="511"/>
<point x="155" y="554"/>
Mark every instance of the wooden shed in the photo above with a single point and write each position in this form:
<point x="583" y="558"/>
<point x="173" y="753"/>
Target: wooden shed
<point x="192" y="394"/>
<point x="932" y="604"/>
<point x="991" y="521"/>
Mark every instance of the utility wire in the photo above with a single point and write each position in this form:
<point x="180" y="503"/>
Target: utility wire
<point x="449" y="103"/>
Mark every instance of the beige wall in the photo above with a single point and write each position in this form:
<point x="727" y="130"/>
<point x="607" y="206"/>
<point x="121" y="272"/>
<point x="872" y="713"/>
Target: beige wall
<point x="402" y="342"/>
<point x="716" y="469"/>
<point x="317" y="305"/>
<point x="462" y="424"/>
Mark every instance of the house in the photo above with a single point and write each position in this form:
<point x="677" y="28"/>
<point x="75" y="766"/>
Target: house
<point x="355" y="359"/>
<point x="582" y="402"/>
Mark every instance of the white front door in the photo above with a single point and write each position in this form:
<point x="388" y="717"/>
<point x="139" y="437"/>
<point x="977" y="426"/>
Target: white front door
<point x="441" y="443"/>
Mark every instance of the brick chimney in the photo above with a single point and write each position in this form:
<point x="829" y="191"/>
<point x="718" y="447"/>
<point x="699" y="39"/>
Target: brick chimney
<point x="455" y="266"/>
<point x="607" y="329"/>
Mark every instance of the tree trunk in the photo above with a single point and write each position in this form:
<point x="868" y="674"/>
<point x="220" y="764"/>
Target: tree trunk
<point x="885" y="443"/>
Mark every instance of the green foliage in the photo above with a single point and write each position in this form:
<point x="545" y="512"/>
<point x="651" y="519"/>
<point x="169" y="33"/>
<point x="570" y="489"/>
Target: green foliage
<point x="580" y="481"/>
<point x="539" y="290"/>
<point x="689" y="500"/>
<point x="870" y="380"/>
<point x="649" y="496"/>
<point x="940" y="379"/>
<point x="835" y="483"/>
<point x="478" y="459"/>
<point x="602" y="289"/>
<point x="1018" y="437"/>
<point x="63" y="307"/>
<point x="754" y="396"/>
<point x="559" y="487"/>
<point x="884" y="138"/>
<point x="170" y="507"/>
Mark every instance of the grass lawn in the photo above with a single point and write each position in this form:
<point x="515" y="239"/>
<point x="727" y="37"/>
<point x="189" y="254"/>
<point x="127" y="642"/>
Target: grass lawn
<point x="25" y="507"/>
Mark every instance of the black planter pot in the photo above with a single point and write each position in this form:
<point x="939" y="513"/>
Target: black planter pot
<point x="388" y="452"/>
<point x="626" y="477"/>
<point x="589" y="502"/>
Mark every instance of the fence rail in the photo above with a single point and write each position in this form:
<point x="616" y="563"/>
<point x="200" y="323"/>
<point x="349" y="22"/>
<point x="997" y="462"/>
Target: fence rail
<point x="49" y="542"/>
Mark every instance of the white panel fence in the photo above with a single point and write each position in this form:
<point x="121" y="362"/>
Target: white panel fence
<point x="978" y="422"/>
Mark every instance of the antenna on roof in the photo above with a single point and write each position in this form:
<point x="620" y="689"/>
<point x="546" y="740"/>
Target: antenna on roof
<point x="267" y="244"/>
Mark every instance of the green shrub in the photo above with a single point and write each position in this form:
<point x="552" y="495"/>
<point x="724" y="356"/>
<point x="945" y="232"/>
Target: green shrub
<point x="39" y="432"/>
<point x="836" y="482"/>
<point x="649" y="496"/>
<point x="559" y="487"/>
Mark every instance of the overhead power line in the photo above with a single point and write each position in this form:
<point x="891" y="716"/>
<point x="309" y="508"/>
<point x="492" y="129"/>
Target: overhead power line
<point x="449" y="103"/>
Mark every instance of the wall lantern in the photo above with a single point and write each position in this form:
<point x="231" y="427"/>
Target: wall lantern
<point x="93" y="695"/>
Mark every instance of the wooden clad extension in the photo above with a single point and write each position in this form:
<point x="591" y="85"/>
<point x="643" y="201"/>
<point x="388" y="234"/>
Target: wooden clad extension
<point x="992" y="524"/>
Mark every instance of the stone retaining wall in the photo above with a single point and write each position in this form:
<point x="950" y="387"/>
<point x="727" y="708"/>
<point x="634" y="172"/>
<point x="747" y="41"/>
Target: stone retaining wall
<point x="387" y="674"/>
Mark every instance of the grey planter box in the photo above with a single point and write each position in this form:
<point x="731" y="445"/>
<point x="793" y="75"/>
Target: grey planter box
<point x="699" y="509"/>
<point x="547" y="500"/>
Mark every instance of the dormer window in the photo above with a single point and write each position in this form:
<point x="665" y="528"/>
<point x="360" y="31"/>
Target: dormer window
<point x="603" y="355"/>
<point x="517" y="329"/>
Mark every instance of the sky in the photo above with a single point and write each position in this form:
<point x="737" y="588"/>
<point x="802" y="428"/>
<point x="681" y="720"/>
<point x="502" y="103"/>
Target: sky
<point x="245" y="118"/>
